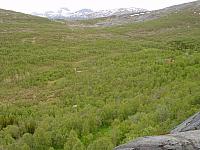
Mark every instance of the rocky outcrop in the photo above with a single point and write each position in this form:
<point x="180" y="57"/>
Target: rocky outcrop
<point x="186" y="136"/>
<point x="181" y="141"/>
<point x="193" y="123"/>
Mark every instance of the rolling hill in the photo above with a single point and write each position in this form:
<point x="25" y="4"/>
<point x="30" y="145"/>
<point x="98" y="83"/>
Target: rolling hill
<point x="76" y="88"/>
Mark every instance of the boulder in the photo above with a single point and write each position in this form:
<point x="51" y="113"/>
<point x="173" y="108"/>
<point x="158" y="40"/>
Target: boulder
<point x="186" y="136"/>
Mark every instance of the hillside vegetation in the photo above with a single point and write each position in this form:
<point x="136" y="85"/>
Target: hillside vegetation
<point x="75" y="88"/>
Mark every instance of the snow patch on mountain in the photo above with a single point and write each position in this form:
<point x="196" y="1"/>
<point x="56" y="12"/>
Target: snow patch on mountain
<point x="65" y="13"/>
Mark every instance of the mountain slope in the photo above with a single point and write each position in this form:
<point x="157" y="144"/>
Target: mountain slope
<point x="146" y="15"/>
<point x="64" y="13"/>
<point x="64" y="87"/>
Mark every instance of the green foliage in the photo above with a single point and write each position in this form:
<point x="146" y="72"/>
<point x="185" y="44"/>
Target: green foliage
<point x="101" y="144"/>
<point x="42" y="139"/>
<point x="73" y="142"/>
<point x="78" y="146"/>
<point x="184" y="45"/>
<point x="30" y="126"/>
<point x="28" y="139"/>
<point x="13" y="131"/>
<point x="196" y="100"/>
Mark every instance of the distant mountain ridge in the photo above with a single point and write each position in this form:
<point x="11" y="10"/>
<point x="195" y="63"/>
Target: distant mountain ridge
<point x="65" y="13"/>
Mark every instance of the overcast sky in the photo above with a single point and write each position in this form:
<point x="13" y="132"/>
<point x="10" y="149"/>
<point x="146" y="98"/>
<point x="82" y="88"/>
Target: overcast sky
<point x="28" y="6"/>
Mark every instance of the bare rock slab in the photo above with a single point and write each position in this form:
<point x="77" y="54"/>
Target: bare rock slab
<point x="189" y="140"/>
<point x="193" y="123"/>
<point x="186" y="136"/>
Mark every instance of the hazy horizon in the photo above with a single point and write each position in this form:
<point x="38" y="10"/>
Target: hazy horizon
<point x="74" y="5"/>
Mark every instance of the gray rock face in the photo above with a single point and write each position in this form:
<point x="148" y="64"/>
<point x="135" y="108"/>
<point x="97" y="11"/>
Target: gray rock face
<point x="186" y="136"/>
<point x="180" y="141"/>
<point x="193" y="123"/>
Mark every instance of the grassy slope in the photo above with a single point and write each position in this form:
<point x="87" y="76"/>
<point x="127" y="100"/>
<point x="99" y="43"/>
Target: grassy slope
<point x="132" y="80"/>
